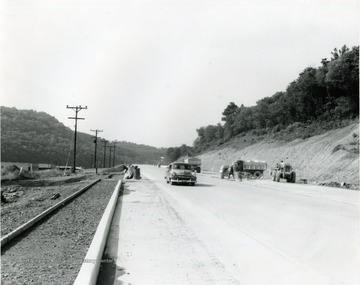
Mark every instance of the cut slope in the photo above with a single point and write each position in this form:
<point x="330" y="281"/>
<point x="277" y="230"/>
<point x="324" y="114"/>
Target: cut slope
<point x="333" y="156"/>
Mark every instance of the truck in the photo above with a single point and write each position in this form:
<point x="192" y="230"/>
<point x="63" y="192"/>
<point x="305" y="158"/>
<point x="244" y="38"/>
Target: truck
<point x="194" y="162"/>
<point x="244" y="168"/>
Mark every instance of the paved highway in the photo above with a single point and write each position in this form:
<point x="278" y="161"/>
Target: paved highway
<point x="231" y="232"/>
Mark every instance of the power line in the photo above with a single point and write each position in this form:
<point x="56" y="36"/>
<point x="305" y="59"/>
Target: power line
<point x="77" y="109"/>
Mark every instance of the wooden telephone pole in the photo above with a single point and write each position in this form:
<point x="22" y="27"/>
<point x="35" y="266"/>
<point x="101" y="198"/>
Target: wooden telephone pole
<point x="95" y="141"/>
<point x="77" y="109"/>
<point x="104" y="146"/>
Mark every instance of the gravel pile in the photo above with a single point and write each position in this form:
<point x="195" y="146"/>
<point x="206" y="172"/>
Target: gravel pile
<point x="53" y="252"/>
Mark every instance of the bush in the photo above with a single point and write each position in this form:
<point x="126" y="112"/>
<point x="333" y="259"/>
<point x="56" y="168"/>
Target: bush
<point x="338" y="147"/>
<point x="277" y="129"/>
<point x="293" y="127"/>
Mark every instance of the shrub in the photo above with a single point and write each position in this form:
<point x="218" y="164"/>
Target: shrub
<point x="293" y="127"/>
<point x="338" y="147"/>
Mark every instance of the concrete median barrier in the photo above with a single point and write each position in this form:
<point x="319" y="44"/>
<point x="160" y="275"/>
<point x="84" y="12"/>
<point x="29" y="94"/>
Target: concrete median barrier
<point x="89" y="270"/>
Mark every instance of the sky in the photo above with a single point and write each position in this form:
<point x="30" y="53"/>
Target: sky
<point x="154" y="71"/>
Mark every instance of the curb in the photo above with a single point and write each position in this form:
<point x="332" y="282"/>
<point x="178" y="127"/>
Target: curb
<point x="89" y="270"/>
<point x="39" y="217"/>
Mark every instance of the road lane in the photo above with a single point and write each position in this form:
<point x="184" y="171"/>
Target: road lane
<point x="155" y="245"/>
<point x="257" y="232"/>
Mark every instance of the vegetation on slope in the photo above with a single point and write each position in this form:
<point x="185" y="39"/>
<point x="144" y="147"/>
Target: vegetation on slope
<point x="320" y="99"/>
<point x="36" y="137"/>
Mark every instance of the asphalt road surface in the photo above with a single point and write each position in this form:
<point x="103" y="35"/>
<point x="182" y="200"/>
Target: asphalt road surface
<point x="231" y="232"/>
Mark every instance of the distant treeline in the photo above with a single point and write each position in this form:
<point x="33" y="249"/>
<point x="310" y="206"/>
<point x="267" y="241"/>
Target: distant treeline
<point x="174" y="153"/>
<point x="37" y="137"/>
<point x="327" y="93"/>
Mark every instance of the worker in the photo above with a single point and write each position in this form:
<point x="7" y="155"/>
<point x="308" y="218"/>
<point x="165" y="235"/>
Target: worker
<point x="231" y="171"/>
<point x="282" y="164"/>
<point x="130" y="171"/>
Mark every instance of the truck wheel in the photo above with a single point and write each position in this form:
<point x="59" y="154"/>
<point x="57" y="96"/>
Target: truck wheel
<point x="222" y="175"/>
<point x="172" y="182"/>
<point x="257" y="174"/>
<point x="293" y="178"/>
<point x="274" y="176"/>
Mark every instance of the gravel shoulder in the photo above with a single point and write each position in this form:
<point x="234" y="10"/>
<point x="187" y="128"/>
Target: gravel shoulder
<point x="53" y="252"/>
<point x="25" y="201"/>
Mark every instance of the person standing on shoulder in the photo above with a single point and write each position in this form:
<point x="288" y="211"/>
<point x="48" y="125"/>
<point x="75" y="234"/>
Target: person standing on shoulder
<point x="130" y="172"/>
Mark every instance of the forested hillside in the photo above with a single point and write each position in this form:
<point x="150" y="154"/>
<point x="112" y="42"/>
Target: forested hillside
<point x="326" y="97"/>
<point x="36" y="137"/>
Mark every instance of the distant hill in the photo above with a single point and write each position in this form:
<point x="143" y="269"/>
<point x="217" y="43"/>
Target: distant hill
<point x="37" y="137"/>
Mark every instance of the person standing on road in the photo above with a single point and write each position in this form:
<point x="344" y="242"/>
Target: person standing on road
<point x="282" y="164"/>
<point x="231" y="171"/>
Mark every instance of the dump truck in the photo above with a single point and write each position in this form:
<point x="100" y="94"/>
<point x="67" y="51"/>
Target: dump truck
<point x="194" y="162"/>
<point x="284" y="171"/>
<point x="244" y="168"/>
<point x="251" y="168"/>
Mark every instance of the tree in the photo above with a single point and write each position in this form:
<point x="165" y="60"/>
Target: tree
<point x="229" y="118"/>
<point x="262" y="112"/>
<point x="343" y="76"/>
<point x="173" y="153"/>
<point x="329" y="92"/>
<point x="337" y="53"/>
<point x="219" y="131"/>
<point x="210" y="134"/>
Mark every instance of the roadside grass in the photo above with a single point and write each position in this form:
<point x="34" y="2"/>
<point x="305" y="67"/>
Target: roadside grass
<point x="310" y="129"/>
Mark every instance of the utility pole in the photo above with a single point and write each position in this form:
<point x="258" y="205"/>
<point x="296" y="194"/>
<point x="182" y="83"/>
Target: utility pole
<point x="114" y="155"/>
<point x="104" y="146"/>
<point x="110" y="147"/>
<point x="77" y="109"/>
<point x="95" y="141"/>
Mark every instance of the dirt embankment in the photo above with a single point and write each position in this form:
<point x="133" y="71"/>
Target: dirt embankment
<point x="333" y="156"/>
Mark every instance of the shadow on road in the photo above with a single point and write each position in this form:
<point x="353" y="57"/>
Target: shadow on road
<point x="196" y="185"/>
<point x="204" y="185"/>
